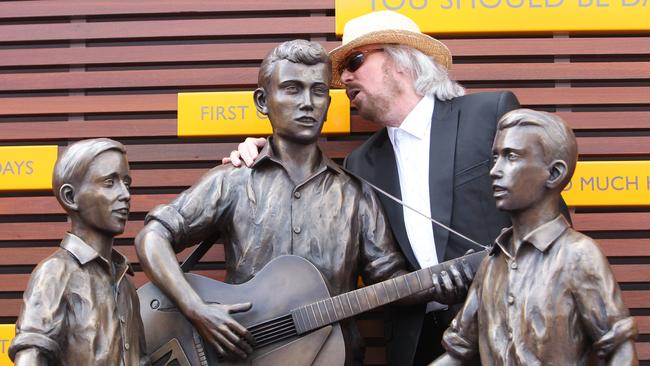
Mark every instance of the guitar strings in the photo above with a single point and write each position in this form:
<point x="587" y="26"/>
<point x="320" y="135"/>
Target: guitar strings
<point x="273" y="330"/>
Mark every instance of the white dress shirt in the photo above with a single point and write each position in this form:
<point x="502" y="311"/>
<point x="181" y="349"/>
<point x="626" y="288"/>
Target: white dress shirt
<point x="411" y="145"/>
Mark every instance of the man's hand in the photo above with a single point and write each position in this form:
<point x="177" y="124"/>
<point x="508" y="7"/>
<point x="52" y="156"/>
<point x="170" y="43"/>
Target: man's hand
<point x="247" y="151"/>
<point x="451" y="286"/>
<point x="229" y="338"/>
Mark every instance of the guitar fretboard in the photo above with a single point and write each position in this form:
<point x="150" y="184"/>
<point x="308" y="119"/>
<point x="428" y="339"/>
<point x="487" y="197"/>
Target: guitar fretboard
<point x="334" y="309"/>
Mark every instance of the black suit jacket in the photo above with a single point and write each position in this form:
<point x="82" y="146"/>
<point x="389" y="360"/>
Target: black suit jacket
<point x="462" y="132"/>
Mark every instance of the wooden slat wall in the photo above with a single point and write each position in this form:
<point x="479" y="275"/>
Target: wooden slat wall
<point x="78" y="69"/>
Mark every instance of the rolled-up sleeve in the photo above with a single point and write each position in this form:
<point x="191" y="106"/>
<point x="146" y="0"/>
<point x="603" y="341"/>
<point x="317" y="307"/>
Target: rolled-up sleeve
<point x="42" y="318"/>
<point x="191" y="217"/>
<point x="599" y="300"/>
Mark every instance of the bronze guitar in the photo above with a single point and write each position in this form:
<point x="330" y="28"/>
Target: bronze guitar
<point x="293" y="318"/>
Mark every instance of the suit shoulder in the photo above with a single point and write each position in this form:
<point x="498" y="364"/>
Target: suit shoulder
<point x="486" y="107"/>
<point x="376" y="139"/>
<point x="488" y="98"/>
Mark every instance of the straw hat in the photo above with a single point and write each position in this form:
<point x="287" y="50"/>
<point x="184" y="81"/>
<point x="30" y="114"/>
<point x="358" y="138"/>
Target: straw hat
<point x="385" y="27"/>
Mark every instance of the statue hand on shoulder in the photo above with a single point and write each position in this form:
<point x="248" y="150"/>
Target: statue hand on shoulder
<point x="229" y="338"/>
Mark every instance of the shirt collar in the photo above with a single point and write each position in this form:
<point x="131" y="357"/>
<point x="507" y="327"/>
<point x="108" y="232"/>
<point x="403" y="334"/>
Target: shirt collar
<point x="418" y="122"/>
<point x="84" y="253"/>
<point x="267" y="154"/>
<point x="541" y="238"/>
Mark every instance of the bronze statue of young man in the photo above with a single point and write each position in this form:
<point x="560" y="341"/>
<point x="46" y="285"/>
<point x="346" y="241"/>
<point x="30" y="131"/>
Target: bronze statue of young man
<point x="79" y="307"/>
<point x="546" y="294"/>
<point x="293" y="200"/>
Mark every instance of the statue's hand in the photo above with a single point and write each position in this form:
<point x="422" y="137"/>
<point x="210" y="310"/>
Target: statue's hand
<point x="247" y="151"/>
<point x="229" y="338"/>
<point x="451" y="286"/>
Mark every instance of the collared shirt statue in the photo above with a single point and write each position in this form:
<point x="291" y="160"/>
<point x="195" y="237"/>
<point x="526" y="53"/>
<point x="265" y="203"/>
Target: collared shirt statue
<point x="545" y="295"/>
<point x="294" y="200"/>
<point x="260" y="213"/>
<point x="79" y="306"/>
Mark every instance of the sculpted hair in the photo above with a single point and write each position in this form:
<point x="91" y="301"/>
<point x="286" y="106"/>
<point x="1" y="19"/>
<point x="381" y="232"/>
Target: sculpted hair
<point x="429" y="77"/>
<point x="558" y="140"/>
<point x="72" y="165"/>
<point x="297" y="51"/>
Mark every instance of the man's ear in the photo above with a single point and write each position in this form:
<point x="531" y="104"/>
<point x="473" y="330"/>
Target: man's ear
<point x="259" y="96"/>
<point x="558" y="170"/>
<point x="67" y="195"/>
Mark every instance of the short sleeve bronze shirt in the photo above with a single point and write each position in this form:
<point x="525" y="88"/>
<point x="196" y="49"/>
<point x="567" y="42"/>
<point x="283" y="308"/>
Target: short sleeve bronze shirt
<point x="554" y="302"/>
<point x="76" y="313"/>
<point x="331" y="219"/>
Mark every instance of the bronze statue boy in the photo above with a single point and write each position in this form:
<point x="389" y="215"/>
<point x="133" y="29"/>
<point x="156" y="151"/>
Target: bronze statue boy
<point x="293" y="200"/>
<point x="546" y="294"/>
<point x="79" y="307"/>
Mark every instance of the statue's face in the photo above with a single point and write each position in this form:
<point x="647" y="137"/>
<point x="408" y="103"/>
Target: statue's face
<point x="297" y="100"/>
<point x="103" y="195"/>
<point x="520" y="173"/>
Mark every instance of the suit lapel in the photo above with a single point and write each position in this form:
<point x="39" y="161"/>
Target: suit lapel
<point x="384" y="174"/>
<point x="444" y="127"/>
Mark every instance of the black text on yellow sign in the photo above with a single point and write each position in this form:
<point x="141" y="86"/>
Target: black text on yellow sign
<point x="234" y="114"/>
<point x="609" y="183"/>
<point x="25" y="168"/>
<point x="494" y="16"/>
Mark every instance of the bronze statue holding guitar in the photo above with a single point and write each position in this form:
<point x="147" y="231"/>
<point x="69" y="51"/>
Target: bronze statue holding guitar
<point x="294" y="319"/>
<point x="293" y="201"/>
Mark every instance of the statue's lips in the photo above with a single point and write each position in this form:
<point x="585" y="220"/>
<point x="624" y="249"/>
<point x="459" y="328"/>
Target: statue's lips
<point x="306" y="121"/>
<point x="498" y="191"/>
<point x="122" y="213"/>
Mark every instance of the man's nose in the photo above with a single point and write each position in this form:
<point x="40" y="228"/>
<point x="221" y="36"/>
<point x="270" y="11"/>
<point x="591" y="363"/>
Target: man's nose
<point x="346" y="76"/>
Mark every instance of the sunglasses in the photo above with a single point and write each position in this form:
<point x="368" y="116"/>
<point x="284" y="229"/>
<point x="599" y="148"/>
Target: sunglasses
<point x="354" y="61"/>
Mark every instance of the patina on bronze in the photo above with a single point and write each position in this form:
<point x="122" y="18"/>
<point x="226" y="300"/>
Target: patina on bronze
<point x="79" y="306"/>
<point x="546" y="294"/>
<point x="293" y="200"/>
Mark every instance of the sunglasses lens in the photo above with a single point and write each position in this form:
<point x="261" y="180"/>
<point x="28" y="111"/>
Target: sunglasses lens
<point x="355" y="61"/>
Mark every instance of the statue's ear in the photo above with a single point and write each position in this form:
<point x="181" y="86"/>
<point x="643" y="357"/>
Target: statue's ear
<point x="67" y="196"/>
<point x="259" y="96"/>
<point x="329" y="104"/>
<point x="558" y="170"/>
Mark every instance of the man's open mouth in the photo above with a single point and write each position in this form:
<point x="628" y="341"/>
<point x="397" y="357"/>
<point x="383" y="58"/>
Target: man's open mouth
<point x="352" y="93"/>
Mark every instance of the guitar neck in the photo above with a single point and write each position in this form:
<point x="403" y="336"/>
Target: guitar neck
<point x="334" y="309"/>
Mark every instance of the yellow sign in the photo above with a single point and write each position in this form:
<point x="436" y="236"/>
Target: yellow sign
<point x="501" y="16"/>
<point x="609" y="183"/>
<point x="7" y="333"/>
<point x="234" y="114"/>
<point x="24" y="168"/>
